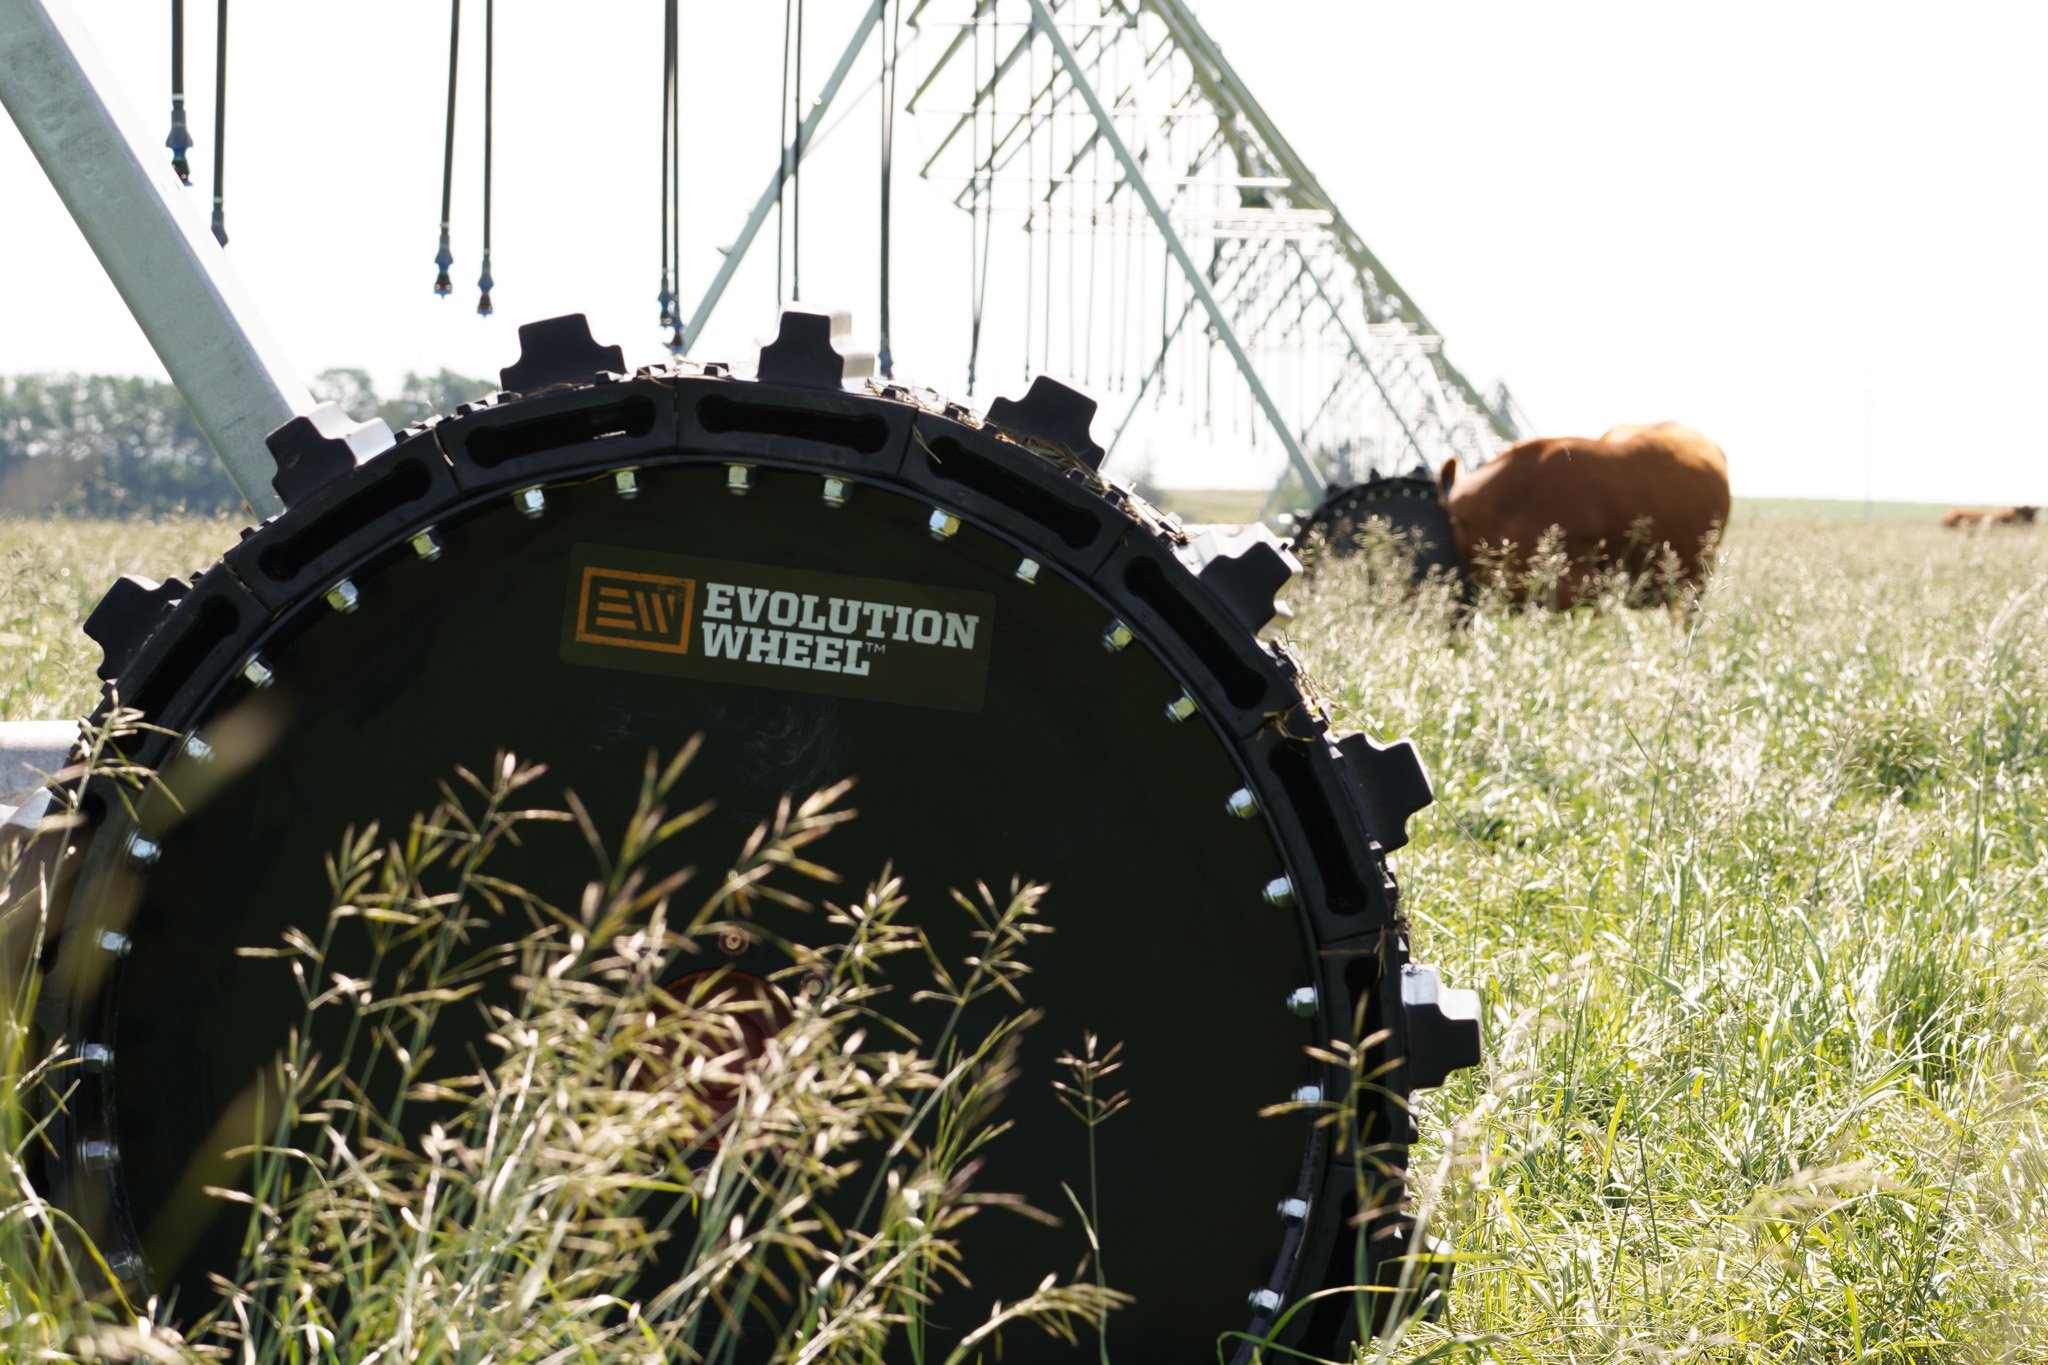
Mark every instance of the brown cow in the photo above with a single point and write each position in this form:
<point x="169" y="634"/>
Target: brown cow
<point x="1617" y="501"/>
<point x="2004" y="516"/>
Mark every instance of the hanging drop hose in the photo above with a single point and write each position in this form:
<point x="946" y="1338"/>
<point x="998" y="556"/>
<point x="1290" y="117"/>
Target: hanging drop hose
<point x="220" y="124"/>
<point x="796" y="171"/>
<point x="887" y="94"/>
<point x="1094" y="242"/>
<point x="1052" y="105"/>
<point x="983" y="216"/>
<point x="483" y="280"/>
<point x="180" y="140"/>
<point x="782" y="149"/>
<point x="444" y="257"/>
<point x="674" y="205"/>
<point x="1030" y="185"/>
<point x="667" y="296"/>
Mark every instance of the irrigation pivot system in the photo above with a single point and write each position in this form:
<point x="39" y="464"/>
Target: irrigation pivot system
<point x="1141" y="223"/>
<point x="1030" y="671"/>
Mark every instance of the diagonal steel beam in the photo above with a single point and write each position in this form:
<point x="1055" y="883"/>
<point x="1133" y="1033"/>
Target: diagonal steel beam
<point x="155" y="248"/>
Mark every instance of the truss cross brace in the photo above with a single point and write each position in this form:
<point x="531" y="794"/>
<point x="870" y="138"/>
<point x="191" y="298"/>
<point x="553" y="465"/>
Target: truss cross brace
<point x="1134" y="175"/>
<point x="792" y="155"/>
<point x="1357" y="351"/>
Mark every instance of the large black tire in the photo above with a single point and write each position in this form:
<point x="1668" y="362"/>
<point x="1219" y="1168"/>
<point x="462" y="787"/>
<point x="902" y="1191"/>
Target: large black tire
<point x="434" y="604"/>
<point x="1407" y="505"/>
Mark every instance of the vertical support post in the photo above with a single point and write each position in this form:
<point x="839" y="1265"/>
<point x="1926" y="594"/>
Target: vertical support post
<point x="155" y="248"/>
<point x="1134" y="175"/>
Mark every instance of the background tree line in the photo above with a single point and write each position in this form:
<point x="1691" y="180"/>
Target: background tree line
<point x="97" y="445"/>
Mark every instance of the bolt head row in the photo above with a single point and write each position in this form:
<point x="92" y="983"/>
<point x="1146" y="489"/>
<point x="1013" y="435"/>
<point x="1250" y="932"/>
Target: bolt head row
<point x="943" y="525"/>
<point x="837" y="491"/>
<point x="343" y="596"/>
<point x="530" y="501"/>
<point x="427" y="545"/>
<point x="739" y="478"/>
<point x="1027" y="571"/>
<point x="626" y="482"/>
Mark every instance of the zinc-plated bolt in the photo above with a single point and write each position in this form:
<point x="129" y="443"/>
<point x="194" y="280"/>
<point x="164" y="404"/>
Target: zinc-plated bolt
<point x="1027" y="571"/>
<point x="197" y="749"/>
<point x="1307" y="1094"/>
<point x="113" y="943"/>
<point x="427" y="545"/>
<point x="625" y="482"/>
<point x="836" y="492"/>
<point x="738" y="479"/>
<point x="943" y="524"/>
<point x="343" y="596"/>
<point x="1302" y="1002"/>
<point x="1280" y="892"/>
<point x="1264" y="1302"/>
<point x="1180" y="708"/>
<point x="94" y="1058"/>
<point x="1116" y="636"/>
<point x="97" y="1154"/>
<point x="1293" y="1212"/>
<point x="531" y="501"/>
<point x="144" y="849"/>
<point x="1242" y="803"/>
<point x="258" y="673"/>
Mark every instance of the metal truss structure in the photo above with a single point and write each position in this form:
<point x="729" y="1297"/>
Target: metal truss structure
<point x="1163" y="242"/>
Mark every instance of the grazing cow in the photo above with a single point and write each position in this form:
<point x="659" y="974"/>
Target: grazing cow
<point x="1617" y="501"/>
<point x="2004" y="516"/>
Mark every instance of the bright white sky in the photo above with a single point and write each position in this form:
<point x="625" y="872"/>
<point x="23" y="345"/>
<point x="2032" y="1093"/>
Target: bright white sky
<point x="1814" y="231"/>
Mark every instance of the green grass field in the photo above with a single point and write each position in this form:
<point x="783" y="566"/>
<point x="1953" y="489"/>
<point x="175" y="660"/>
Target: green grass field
<point x="1758" y="904"/>
<point x="1756" y="899"/>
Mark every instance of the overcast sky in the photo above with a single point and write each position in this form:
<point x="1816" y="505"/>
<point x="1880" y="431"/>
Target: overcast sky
<point x="1813" y="231"/>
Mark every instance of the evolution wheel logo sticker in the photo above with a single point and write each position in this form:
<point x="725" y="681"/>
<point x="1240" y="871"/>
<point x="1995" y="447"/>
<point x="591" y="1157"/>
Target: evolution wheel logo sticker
<point x="768" y="626"/>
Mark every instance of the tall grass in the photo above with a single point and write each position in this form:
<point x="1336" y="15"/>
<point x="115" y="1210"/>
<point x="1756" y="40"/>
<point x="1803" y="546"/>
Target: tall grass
<point x="652" y="1160"/>
<point x="1756" y="895"/>
<point x="1757" y="898"/>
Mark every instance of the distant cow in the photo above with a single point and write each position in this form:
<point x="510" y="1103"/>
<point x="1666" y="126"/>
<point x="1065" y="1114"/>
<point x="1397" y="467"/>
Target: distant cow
<point x="2004" y="516"/>
<point x="1617" y="501"/>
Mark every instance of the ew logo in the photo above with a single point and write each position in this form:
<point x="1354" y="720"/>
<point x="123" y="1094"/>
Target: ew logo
<point x="635" y="610"/>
